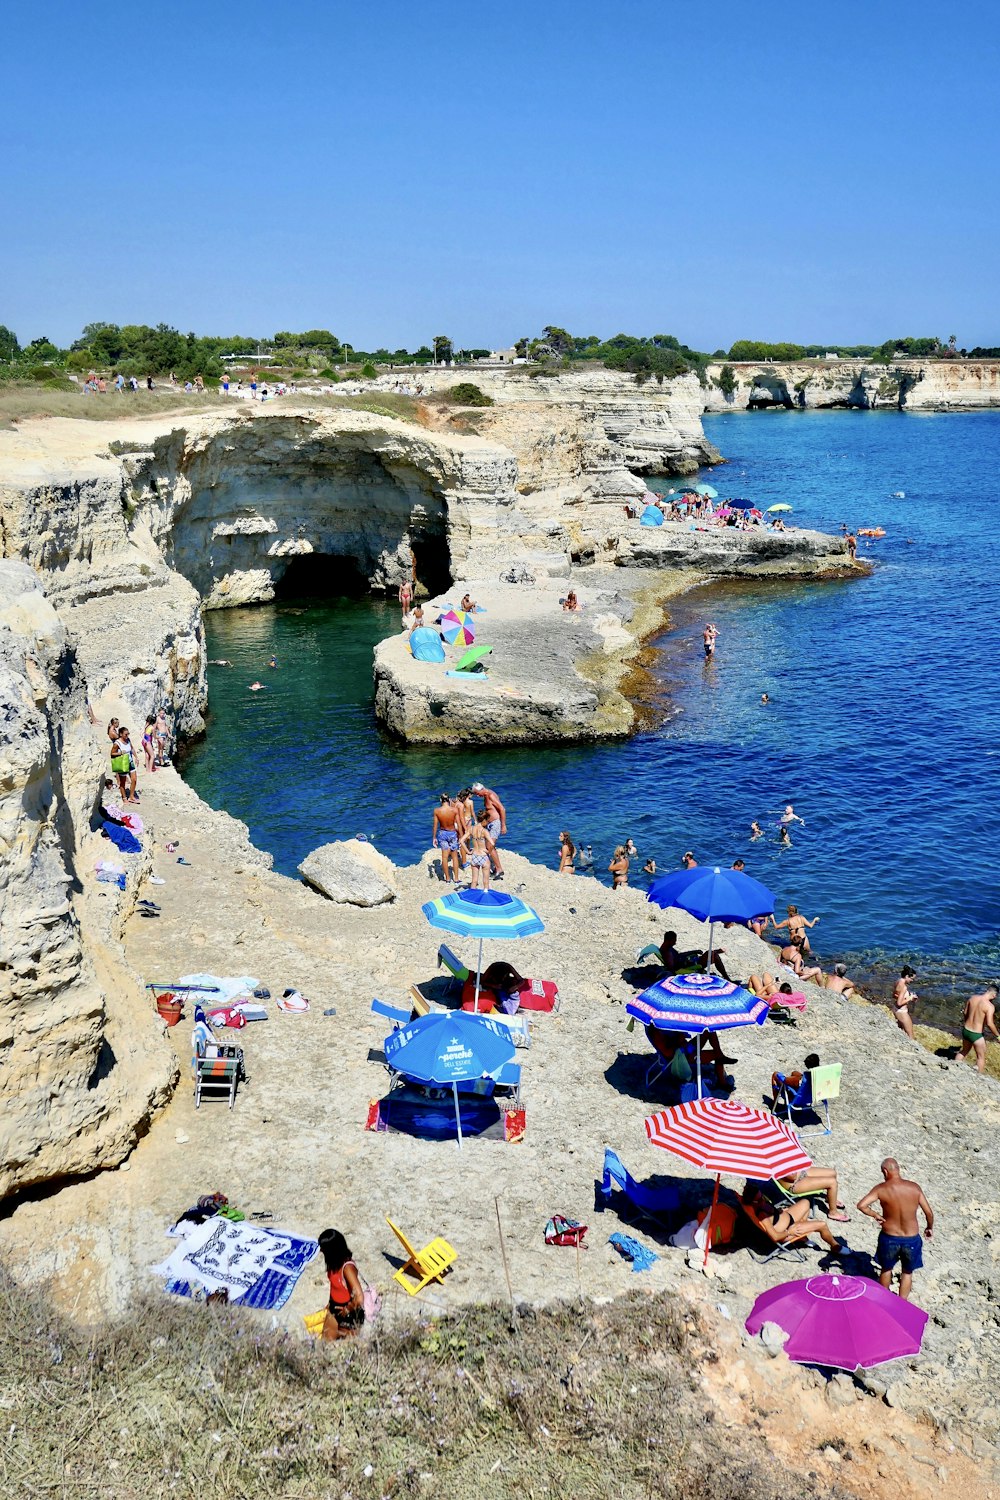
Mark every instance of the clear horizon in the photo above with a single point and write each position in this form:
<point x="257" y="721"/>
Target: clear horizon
<point x="642" y="171"/>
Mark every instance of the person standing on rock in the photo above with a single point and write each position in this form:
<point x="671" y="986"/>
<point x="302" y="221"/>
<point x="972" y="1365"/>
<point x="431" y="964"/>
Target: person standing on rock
<point x="902" y="998"/>
<point x="405" y="596"/>
<point x="478" y="842"/>
<point x="444" y="834"/>
<point x="852" y="544"/>
<point x="899" y="1232"/>
<point x="978" y="1018"/>
<point x="496" y="821"/>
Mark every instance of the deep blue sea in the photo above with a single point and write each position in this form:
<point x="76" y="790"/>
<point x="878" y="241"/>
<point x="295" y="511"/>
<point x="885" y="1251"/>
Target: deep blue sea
<point x="883" y="727"/>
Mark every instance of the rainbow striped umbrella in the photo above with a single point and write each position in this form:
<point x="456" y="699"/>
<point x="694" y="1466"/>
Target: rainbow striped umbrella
<point x="483" y="914"/>
<point x="457" y="627"/>
<point x="724" y="1135"/>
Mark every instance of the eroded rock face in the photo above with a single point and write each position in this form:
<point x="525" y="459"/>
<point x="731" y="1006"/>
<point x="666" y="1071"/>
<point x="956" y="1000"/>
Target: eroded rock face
<point x="76" y="1084"/>
<point x="910" y="384"/>
<point x="351" y="872"/>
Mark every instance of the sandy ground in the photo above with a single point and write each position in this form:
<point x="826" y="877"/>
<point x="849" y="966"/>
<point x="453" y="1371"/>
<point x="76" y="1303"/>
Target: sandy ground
<point x="295" y="1144"/>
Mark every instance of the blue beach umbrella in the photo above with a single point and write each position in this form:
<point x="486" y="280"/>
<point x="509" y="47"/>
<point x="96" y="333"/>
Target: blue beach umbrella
<point x="706" y="489"/>
<point x="449" y="1047"/>
<point x="695" y="1003"/>
<point x="712" y="895"/>
<point x="483" y="914"/>
<point x="741" y="504"/>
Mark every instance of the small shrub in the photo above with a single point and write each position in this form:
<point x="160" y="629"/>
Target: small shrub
<point x="328" y="374"/>
<point x="467" y="394"/>
<point x="368" y="371"/>
<point x="727" y="380"/>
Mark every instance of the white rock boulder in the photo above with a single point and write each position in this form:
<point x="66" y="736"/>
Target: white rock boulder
<point x="352" y="872"/>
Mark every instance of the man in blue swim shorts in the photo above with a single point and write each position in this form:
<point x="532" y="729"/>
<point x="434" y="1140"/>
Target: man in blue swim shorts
<point x="444" y="835"/>
<point x="899" y="1240"/>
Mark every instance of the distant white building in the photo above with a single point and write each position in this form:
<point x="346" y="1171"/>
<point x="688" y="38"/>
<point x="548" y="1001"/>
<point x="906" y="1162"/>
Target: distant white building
<point x="500" y="357"/>
<point x="831" y="356"/>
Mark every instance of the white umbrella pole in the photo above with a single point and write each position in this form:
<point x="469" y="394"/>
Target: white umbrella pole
<point x="711" y="934"/>
<point x="479" y="975"/>
<point x="697" y="1048"/>
<point x="458" y="1115"/>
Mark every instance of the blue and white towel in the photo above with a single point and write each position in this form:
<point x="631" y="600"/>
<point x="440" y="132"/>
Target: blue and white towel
<point x="258" y="1267"/>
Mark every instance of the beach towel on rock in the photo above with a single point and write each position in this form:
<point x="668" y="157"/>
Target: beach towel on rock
<point x="631" y="1249"/>
<point x="258" y="1267"/>
<point x="122" y="838"/>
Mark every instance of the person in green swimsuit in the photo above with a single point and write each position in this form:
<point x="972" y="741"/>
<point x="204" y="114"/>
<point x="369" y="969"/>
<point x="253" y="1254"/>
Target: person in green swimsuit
<point x="978" y="1018"/>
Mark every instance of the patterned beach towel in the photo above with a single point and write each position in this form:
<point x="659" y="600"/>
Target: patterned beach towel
<point x="258" y="1267"/>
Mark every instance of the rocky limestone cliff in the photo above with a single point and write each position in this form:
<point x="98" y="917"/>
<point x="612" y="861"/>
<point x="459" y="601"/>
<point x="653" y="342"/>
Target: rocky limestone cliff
<point x="910" y="385"/>
<point x="79" y="1074"/>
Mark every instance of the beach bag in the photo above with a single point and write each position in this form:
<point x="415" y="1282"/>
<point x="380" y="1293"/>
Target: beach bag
<point x="562" y="1231"/>
<point x="680" y="1068"/>
<point x="373" y="1302"/>
<point x="723" y="1226"/>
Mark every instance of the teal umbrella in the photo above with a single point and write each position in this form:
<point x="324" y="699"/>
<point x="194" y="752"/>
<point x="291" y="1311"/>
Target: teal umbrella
<point x="706" y="489"/>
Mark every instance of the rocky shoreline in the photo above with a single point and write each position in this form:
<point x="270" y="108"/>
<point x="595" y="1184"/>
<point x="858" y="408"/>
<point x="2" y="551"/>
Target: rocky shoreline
<point x="311" y="1081"/>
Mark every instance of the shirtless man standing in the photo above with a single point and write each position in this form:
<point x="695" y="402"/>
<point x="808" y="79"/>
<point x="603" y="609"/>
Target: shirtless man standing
<point x="899" y="1232"/>
<point x="902" y="998"/>
<point x="979" y="1016"/>
<point x="444" y="835"/>
<point x="797" y="924"/>
<point x="709" y="636"/>
<point x="496" y="823"/>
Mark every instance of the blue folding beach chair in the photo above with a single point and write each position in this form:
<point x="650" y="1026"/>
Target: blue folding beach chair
<point x="391" y="1012"/>
<point x="811" y="1100"/>
<point x="658" y="1204"/>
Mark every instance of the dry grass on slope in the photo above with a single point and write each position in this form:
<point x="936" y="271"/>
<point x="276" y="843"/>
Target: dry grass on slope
<point x="198" y="1401"/>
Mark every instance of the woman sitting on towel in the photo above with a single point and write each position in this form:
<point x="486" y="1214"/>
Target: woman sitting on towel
<point x="345" y="1311"/>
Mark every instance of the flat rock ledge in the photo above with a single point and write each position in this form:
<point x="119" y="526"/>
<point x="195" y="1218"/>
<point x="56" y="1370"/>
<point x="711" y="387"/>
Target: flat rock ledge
<point x="350" y="872"/>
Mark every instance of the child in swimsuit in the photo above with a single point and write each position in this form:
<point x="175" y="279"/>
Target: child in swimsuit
<point x="345" y="1312"/>
<point x="479" y="842"/>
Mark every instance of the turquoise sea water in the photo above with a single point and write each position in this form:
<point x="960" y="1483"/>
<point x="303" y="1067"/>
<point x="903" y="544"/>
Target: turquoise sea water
<point x="883" y="730"/>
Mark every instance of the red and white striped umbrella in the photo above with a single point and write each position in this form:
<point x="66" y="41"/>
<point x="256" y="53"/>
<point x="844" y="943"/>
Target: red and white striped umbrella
<point x="723" y="1135"/>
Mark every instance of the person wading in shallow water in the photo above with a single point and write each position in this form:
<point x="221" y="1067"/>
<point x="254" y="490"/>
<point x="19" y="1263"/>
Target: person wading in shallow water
<point x="709" y="636"/>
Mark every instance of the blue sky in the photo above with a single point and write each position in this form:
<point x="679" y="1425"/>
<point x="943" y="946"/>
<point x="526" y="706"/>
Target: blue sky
<point x="392" y="171"/>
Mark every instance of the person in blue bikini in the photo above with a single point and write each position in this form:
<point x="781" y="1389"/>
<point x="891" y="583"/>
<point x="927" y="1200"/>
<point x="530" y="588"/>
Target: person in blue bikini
<point x="899" y="1240"/>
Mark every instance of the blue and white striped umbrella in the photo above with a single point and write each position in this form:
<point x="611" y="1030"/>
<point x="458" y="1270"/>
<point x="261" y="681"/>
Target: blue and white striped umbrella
<point x="483" y="914"/>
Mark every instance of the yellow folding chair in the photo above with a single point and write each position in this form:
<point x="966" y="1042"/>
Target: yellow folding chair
<point x="424" y="1267"/>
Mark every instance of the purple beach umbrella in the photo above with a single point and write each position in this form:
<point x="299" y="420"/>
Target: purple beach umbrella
<point x="841" y="1322"/>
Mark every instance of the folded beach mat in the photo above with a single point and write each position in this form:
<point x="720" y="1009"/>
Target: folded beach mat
<point x="225" y="987"/>
<point x="426" y="644"/>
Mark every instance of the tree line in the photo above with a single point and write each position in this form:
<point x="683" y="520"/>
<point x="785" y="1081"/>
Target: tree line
<point x="141" y="349"/>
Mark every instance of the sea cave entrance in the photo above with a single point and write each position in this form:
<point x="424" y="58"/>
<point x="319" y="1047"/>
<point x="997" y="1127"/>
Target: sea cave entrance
<point x="320" y="575"/>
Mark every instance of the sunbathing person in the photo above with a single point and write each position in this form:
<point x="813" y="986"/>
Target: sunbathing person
<point x="839" y="982"/>
<point x="792" y="959"/>
<point x="786" y="1226"/>
<point x="346" y="1309"/>
<point x="815" y="1181"/>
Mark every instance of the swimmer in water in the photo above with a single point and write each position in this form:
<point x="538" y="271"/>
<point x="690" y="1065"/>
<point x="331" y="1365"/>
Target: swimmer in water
<point x="273" y="662"/>
<point x="756" y="832"/>
<point x="255" y="687"/>
<point x="783" y="838"/>
<point x="791" y="816"/>
<point x="764" y="700"/>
